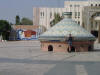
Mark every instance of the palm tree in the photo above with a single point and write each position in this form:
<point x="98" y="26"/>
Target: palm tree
<point x="56" y="19"/>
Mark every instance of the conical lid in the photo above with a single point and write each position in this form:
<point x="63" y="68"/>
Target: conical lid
<point x="62" y="30"/>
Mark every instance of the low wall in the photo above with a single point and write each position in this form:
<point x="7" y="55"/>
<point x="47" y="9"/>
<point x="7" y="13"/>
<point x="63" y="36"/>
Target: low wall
<point x="81" y="46"/>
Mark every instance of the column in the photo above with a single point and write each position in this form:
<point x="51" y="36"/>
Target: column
<point x="93" y="25"/>
<point x="99" y="34"/>
<point x="88" y="24"/>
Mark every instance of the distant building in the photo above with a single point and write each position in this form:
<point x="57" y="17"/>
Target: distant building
<point x="43" y="16"/>
<point x="36" y="16"/>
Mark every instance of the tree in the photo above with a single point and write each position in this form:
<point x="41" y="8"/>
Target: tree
<point x="17" y="20"/>
<point x="5" y="28"/>
<point x="56" y="19"/>
<point x="26" y="21"/>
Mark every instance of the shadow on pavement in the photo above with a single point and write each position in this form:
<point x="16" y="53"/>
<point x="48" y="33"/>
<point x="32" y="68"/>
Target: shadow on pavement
<point x="62" y="67"/>
<point x="29" y="61"/>
<point x="95" y="50"/>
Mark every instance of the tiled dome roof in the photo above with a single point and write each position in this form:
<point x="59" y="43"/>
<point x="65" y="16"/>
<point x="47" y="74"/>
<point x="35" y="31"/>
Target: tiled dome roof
<point x="65" y="27"/>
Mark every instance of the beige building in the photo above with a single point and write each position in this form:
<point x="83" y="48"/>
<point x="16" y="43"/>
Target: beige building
<point x="89" y="15"/>
<point x="43" y="16"/>
<point x="36" y="15"/>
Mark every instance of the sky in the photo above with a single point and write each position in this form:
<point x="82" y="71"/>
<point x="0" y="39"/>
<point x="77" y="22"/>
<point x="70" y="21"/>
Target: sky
<point x="24" y="8"/>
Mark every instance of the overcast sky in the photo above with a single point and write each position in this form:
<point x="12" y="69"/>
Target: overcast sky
<point x="24" y="8"/>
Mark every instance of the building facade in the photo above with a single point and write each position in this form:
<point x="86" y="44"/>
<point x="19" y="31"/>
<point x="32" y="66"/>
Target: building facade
<point x="43" y="16"/>
<point x="89" y="15"/>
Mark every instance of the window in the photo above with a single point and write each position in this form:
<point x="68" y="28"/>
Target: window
<point x="41" y="14"/>
<point x="97" y="14"/>
<point x="70" y="5"/>
<point x="76" y="5"/>
<point x="59" y="45"/>
<point x="99" y="4"/>
<point x="96" y="5"/>
<point x="91" y="4"/>
<point x="75" y="14"/>
<point x="78" y="14"/>
<point x="79" y="22"/>
<point x="51" y="15"/>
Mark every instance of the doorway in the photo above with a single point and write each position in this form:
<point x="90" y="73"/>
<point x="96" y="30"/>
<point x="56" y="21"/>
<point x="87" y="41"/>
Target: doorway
<point x="50" y="48"/>
<point x="89" y="48"/>
<point x="72" y="49"/>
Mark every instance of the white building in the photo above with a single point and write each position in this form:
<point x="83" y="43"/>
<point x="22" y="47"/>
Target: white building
<point x="45" y="15"/>
<point x="78" y="7"/>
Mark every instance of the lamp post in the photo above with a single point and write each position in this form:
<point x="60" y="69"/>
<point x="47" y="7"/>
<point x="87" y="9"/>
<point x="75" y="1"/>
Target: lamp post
<point x="97" y="19"/>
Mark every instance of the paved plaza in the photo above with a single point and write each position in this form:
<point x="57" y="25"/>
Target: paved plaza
<point x="26" y="58"/>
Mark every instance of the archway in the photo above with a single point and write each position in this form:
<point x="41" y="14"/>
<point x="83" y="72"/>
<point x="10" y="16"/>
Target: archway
<point x="72" y="49"/>
<point x="50" y="48"/>
<point x="95" y="33"/>
<point x="96" y="18"/>
<point x="90" y="48"/>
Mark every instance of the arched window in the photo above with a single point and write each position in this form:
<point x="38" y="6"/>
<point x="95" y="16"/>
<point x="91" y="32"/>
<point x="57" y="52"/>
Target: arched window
<point x="96" y="5"/>
<point x="50" y="48"/>
<point x="50" y="14"/>
<point x="91" y="4"/>
<point x="41" y="14"/>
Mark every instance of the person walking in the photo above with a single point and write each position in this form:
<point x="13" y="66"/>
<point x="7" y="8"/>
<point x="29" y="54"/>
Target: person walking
<point x="70" y="42"/>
